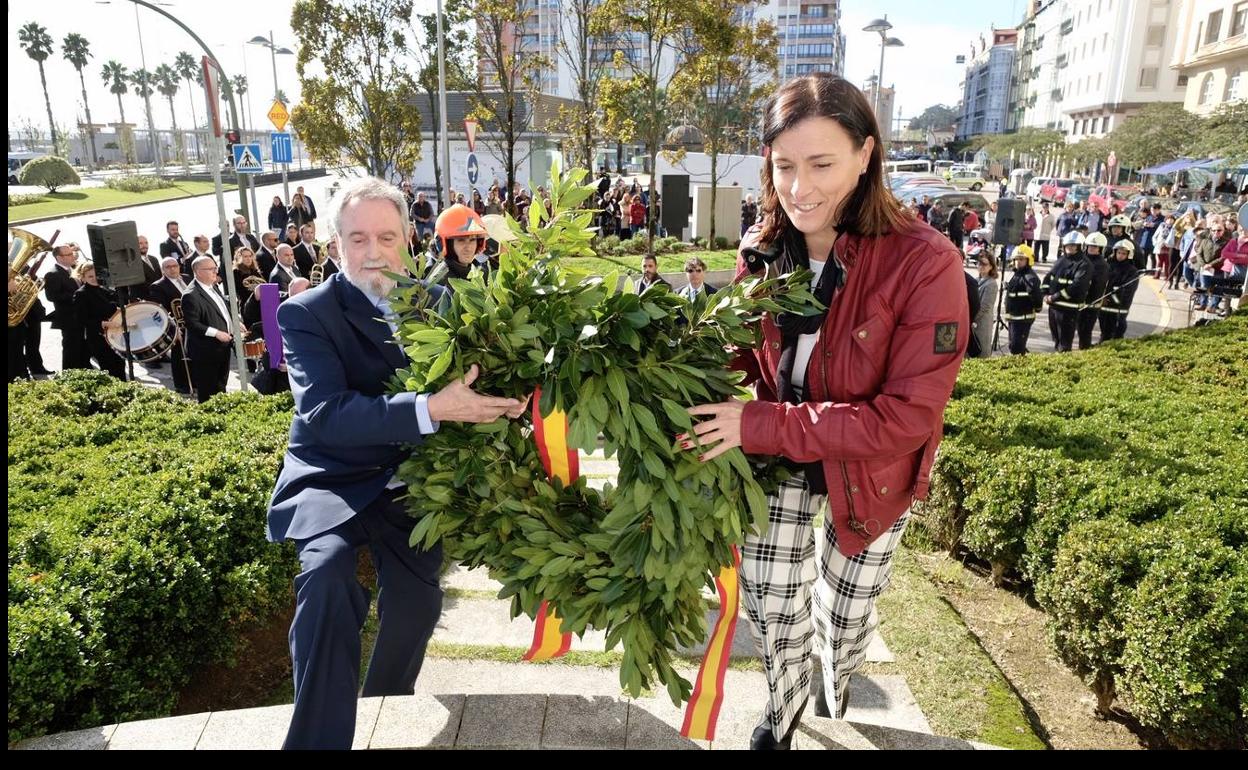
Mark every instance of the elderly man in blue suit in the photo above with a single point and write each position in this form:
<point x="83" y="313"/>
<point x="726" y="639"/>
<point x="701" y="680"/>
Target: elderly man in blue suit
<point x="337" y="490"/>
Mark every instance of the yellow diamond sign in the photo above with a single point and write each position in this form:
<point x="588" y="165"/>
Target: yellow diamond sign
<point x="279" y="116"/>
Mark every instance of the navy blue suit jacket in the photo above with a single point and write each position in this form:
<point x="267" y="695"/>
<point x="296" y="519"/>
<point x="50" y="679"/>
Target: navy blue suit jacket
<point x="348" y="436"/>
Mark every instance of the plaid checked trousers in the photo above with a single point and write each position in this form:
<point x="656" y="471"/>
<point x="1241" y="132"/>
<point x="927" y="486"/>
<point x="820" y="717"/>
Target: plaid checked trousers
<point x="777" y="573"/>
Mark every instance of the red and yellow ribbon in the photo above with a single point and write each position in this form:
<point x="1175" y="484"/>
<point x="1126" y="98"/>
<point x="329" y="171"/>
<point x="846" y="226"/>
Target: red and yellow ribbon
<point x="702" y="710"/>
<point x="561" y="462"/>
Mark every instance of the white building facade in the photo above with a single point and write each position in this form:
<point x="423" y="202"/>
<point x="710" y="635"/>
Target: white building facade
<point x="1211" y="53"/>
<point x="985" y="106"/>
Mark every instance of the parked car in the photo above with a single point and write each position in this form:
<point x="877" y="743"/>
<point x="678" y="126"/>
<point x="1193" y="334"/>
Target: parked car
<point x="965" y="179"/>
<point x="1079" y="193"/>
<point x="1112" y="199"/>
<point x="19" y="159"/>
<point x="1056" y="190"/>
<point x="1033" y="187"/>
<point x="952" y="198"/>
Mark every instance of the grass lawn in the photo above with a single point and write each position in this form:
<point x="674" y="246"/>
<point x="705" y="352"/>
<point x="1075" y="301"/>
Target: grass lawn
<point x="668" y="263"/>
<point x="81" y="201"/>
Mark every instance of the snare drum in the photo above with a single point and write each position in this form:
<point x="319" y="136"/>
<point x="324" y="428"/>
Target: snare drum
<point x="254" y="349"/>
<point x="152" y="332"/>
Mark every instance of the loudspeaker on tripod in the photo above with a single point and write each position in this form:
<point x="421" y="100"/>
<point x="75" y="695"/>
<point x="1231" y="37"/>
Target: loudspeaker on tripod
<point x="115" y="253"/>
<point x="1007" y="228"/>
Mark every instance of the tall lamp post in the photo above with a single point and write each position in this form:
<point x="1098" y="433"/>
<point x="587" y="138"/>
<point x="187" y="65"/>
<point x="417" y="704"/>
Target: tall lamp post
<point x="881" y="26"/>
<point x="274" y="50"/>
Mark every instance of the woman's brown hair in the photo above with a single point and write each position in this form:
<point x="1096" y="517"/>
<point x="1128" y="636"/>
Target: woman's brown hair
<point x="870" y="209"/>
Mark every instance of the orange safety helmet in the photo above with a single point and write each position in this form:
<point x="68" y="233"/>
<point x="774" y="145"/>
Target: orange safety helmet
<point x="459" y="221"/>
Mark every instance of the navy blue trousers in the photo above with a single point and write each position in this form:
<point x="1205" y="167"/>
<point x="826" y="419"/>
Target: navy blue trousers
<point x="331" y="607"/>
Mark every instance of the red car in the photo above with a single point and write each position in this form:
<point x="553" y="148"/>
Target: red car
<point x="1055" y="190"/>
<point x="1113" y="197"/>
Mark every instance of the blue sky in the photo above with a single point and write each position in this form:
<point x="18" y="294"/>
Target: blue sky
<point x="924" y="70"/>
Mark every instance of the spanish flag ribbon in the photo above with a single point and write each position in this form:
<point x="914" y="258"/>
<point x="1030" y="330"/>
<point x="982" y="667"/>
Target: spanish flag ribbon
<point x="561" y="462"/>
<point x="702" y="710"/>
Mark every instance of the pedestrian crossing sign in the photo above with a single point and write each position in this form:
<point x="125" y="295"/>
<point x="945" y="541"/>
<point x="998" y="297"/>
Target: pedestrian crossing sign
<point x="247" y="158"/>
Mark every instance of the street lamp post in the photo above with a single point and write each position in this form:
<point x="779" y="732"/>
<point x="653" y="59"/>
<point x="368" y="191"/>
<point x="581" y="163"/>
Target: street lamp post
<point x="267" y="42"/>
<point x="881" y="26"/>
<point x="223" y="227"/>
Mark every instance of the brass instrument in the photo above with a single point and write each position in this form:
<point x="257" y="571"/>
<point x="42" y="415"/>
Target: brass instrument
<point x="25" y="286"/>
<point x="175" y="310"/>
<point x="318" y="269"/>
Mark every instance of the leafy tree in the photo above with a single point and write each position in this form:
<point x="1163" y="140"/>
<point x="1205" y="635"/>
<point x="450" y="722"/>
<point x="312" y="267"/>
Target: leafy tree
<point x="76" y="51"/>
<point x="37" y="43"/>
<point x="49" y="171"/>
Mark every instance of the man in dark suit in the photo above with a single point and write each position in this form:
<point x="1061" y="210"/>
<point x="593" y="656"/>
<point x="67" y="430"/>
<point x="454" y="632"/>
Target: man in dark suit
<point x="333" y="262"/>
<point x="695" y="269"/>
<point x="165" y="291"/>
<point x="151" y="271"/>
<point x="25" y="360"/>
<point x="306" y="251"/>
<point x="337" y="491"/>
<point x="266" y="257"/>
<point x="207" y="331"/>
<point x="286" y="270"/>
<point x="242" y="236"/>
<point x="650" y="275"/>
<point x="174" y="245"/>
<point x="60" y="286"/>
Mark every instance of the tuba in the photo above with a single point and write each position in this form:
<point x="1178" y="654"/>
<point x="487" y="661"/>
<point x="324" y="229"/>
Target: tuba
<point x="25" y="287"/>
<point x="318" y="269"/>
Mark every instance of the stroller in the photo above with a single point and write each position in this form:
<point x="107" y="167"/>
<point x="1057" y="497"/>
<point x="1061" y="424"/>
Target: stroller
<point x="977" y="244"/>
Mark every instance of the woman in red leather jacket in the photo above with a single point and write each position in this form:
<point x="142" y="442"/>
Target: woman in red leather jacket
<point x="852" y="397"/>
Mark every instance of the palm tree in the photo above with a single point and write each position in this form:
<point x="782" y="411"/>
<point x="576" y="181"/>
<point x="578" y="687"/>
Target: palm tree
<point x="75" y="48"/>
<point x="38" y="45"/>
<point x="167" y="82"/>
<point x="240" y="88"/>
<point x="142" y="81"/>
<point x="188" y="69"/>
<point x="117" y="79"/>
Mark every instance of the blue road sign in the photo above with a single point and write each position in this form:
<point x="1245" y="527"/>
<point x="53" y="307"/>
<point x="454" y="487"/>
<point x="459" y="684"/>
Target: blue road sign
<point x="473" y="168"/>
<point x="280" y="147"/>
<point x="247" y="158"/>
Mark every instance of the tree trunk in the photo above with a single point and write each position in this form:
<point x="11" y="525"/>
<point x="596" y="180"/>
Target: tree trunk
<point x="199" y="153"/>
<point x="95" y="156"/>
<point x="177" y="139"/>
<point x="710" y="242"/>
<point x="437" y="150"/>
<point x="121" y="134"/>
<point x="47" y="100"/>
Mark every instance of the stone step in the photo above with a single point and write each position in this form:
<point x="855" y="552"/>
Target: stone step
<point x="469" y="720"/>
<point x="481" y="621"/>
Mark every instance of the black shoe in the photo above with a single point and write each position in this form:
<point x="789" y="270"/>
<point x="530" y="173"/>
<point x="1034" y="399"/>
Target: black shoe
<point x="821" y="699"/>
<point x="42" y="372"/>
<point x="764" y="740"/>
<point x="154" y="364"/>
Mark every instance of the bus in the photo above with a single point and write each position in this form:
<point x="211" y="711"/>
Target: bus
<point x="909" y="166"/>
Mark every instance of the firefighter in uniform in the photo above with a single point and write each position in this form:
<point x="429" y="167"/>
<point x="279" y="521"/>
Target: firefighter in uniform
<point x="1098" y="274"/>
<point x="1065" y="290"/>
<point x="1119" y="230"/>
<point x="1124" y="278"/>
<point x="1023" y="298"/>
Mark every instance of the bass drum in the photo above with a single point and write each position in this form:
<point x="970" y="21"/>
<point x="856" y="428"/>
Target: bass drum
<point x="152" y="332"/>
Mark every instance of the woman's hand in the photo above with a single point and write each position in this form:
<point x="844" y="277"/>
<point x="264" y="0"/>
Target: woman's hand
<point x="723" y="430"/>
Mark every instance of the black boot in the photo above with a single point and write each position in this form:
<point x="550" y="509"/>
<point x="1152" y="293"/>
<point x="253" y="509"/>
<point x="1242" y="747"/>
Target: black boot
<point x="821" y="698"/>
<point x="764" y="740"/>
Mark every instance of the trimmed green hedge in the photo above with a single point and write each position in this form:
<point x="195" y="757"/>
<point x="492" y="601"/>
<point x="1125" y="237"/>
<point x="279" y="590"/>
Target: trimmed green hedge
<point x="1115" y="483"/>
<point x="136" y="544"/>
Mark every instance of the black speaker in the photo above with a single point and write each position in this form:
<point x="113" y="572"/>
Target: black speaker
<point x="677" y="206"/>
<point x="115" y="252"/>
<point x="1007" y="228"/>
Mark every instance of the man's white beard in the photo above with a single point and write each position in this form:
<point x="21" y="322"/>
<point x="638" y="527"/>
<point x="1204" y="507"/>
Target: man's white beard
<point x="380" y="286"/>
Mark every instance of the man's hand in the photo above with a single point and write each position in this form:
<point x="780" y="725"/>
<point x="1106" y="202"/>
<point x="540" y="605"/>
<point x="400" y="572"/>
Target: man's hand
<point x="458" y="402"/>
<point x="1048" y="299"/>
<point x="224" y="337"/>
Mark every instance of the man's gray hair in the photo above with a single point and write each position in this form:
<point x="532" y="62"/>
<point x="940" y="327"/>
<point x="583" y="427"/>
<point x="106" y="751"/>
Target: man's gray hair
<point x="285" y="247"/>
<point x="367" y="189"/>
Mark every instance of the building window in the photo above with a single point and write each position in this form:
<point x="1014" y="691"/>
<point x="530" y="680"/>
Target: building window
<point x="1105" y="125"/>
<point x="1098" y="81"/>
<point x="1206" y="89"/>
<point x="819" y="11"/>
<point x="1148" y="77"/>
<point x="1239" y="19"/>
<point x="1156" y="35"/>
<point x="1233" y="88"/>
<point x="1213" y="28"/>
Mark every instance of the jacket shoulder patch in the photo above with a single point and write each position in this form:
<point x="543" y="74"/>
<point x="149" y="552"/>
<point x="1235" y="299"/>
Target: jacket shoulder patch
<point x="946" y="338"/>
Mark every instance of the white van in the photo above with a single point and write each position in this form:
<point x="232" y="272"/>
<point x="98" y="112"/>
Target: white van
<point x="19" y="159"/>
